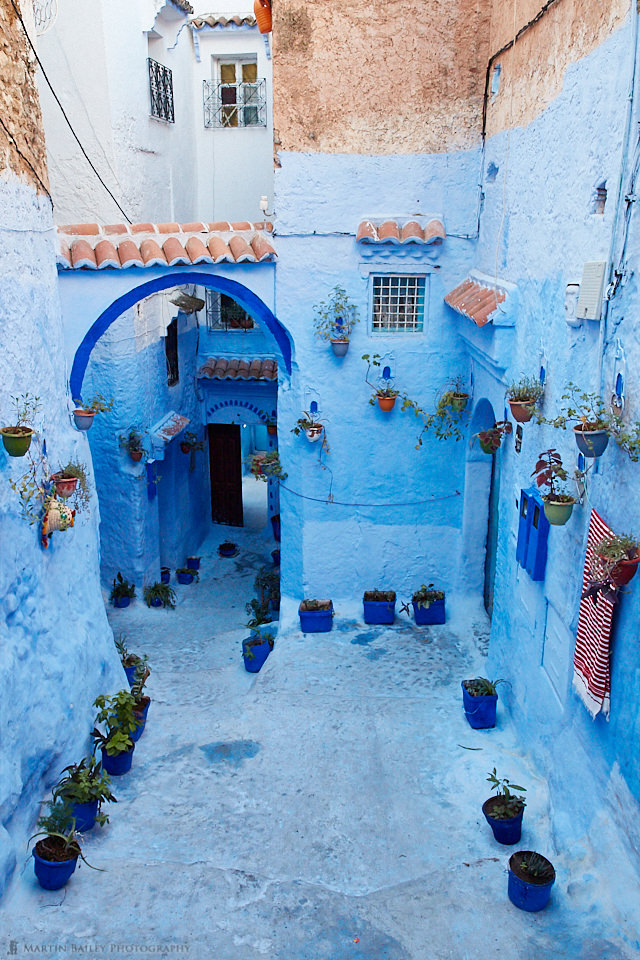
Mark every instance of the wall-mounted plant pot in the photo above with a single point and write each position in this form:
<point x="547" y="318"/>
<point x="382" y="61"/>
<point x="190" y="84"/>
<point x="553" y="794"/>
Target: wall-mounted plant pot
<point x="121" y="601"/>
<point x="523" y="890"/>
<point x="119" y="763"/>
<point x="275" y="526"/>
<point x="255" y="651"/>
<point x="272" y="429"/>
<point x="522" y="410"/>
<point x="558" y="512"/>
<point x="623" y="571"/>
<point x="51" y="874"/>
<point x="386" y="404"/>
<point x="165" y="575"/>
<point x="65" y="486"/>
<point x="505" y="831"/>
<point x="136" y="455"/>
<point x="193" y="563"/>
<point x="183" y="577"/>
<point x="479" y="711"/>
<point x="313" y="434"/>
<point x="379" y="611"/>
<point x="16" y="440"/>
<point x="423" y="614"/>
<point x="84" y="815"/>
<point x="83" y="419"/>
<point x="591" y="443"/>
<point x="459" y="402"/>
<point x="316" y="621"/>
<point x="486" y="447"/>
<point x="185" y="447"/>
<point x="340" y="347"/>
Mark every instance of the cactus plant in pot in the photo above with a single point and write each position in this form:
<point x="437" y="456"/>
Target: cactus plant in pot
<point x="503" y="812"/>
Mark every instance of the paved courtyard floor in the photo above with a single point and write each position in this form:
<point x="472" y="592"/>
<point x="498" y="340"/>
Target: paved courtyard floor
<point x="327" y="808"/>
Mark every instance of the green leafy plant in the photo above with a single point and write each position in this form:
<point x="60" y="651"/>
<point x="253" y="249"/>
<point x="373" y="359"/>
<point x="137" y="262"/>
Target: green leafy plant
<point x="132" y="441"/>
<point x="450" y="414"/>
<point x="189" y="441"/>
<point x="589" y="412"/>
<point x="335" y="317"/>
<point x="85" y="782"/>
<point x="309" y="423"/>
<point x="97" y="404"/>
<point x="535" y="866"/>
<point x="130" y="659"/>
<point x="491" y="439"/>
<point x="312" y="604"/>
<point x="258" y="612"/>
<point x="117" y="714"/>
<point x="160" y="591"/>
<point x="267" y="583"/>
<point x="549" y="472"/>
<point x="426" y="594"/>
<point x="121" y="588"/>
<point x="481" y="687"/>
<point x="384" y="386"/>
<point x="264" y="636"/>
<point x="61" y="839"/>
<point x="510" y="804"/>
<point x="194" y="573"/>
<point x="379" y="596"/>
<point x="616" y="547"/>
<point x="525" y="390"/>
<point x="82" y="495"/>
<point x="26" y="408"/>
<point x="267" y="466"/>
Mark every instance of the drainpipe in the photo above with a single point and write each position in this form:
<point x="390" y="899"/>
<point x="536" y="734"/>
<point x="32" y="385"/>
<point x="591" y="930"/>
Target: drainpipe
<point x="616" y="271"/>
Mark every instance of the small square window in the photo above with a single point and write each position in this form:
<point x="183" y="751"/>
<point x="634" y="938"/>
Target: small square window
<point x="398" y="304"/>
<point x="223" y="313"/>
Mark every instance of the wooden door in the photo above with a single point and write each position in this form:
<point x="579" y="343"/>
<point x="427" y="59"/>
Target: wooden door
<point x="225" y="464"/>
<point x="492" y="535"/>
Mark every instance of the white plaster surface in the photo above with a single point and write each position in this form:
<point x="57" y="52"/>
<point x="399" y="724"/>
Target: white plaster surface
<point x="326" y="809"/>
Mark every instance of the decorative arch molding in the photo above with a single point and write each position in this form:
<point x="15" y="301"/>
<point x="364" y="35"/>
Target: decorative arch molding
<point x="245" y="297"/>
<point x="230" y="405"/>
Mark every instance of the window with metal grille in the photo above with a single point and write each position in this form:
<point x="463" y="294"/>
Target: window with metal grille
<point x="238" y="98"/>
<point x="171" y="353"/>
<point x="223" y="313"/>
<point x="398" y="304"/>
<point x="161" y="89"/>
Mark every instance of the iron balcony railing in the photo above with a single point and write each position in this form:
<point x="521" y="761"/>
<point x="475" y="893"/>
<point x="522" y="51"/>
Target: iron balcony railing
<point x="161" y="88"/>
<point x="235" y="104"/>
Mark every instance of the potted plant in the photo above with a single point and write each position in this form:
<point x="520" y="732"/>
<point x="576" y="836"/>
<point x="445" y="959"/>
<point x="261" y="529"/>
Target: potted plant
<point x="618" y="557"/>
<point x="17" y="438"/>
<point x="159" y="595"/>
<point x="316" y="616"/>
<point x="132" y="442"/>
<point x="192" y="563"/>
<point x="267" y="583"/>
<point x="313" y="429"/>
<point x="522" y="397"/>
<point x="384" y="394"/>
<point x="259" y="614"/>
<point x="428" y="605"/>
<point x="267" y="466"/>
<point x="56" y="856"/>
<point x="85" y="412"/>
<point x="142" y="701"/>
<point x="379" y="606"/>
<point x="272" y="427"/>
<point x="185" y="575"/>
<point x="227" y="549"/>
<point x="531" y="877"/>
<point x="504" y="811"/>
<point x="455" y="398"/>
<point x="117" y="714"/>
<point x="335" y="319"/>
<point x="190" y="442"/>
<point x="85" y="787"/>
<point x="479" y="699"/>
<point x="72" y="479"/>
<point x="491" y="439"/>
<point x="165" y="575"/>
<point x="131" y="661"/>
<point x="548" y="471"/>
<point x="256" y="649"/>
<point x="122" y="592"/>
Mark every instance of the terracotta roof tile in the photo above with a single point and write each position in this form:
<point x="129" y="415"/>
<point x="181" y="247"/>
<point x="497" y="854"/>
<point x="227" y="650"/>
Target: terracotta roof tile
<point x="401" y="232"/>
<point x="212" y="20"/>
<point x="183" y="5"/>
<point x="119" y="246"/>
<point x="223" y="368"/>
<point x="475" y="300"/>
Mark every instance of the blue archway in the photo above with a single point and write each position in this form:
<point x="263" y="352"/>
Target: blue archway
<point x="245" y="297"/>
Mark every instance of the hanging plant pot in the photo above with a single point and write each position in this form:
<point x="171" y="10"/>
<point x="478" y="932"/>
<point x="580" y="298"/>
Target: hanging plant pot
<point x="340" y="347"/>
<point x="479" y="711"/>
<point x="313" y="434"/>
<point x="262" y="13"/>
<point x="65" y="486"/>
<point x="459" y="402"/>
<point x="385" y="403"/>
<point x="83" y="419"/>
<point x="16" y="440"/>
<point x="623" y="571"/>
<point x="272" y="429"/>
<point x="505" y="830"/>
<point x="522" y="410"/>
<point x="591" y="443"/>
<point x="527" y="891"/>
<point x="488" y="447"/>
<point x="118" y="763"/>
<point x="136" y="455"/>
<point x="558" y="512"/>
<point x="185" y="447"/>
<point x="53" y="874"/>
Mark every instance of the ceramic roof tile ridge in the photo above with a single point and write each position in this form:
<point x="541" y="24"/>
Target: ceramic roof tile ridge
<point x="245" y="368"/>
<point x="401" y="231"/>
<point x="475" y="300"/>
<point x="183" y="5"/>
<point x="215" y="20"/>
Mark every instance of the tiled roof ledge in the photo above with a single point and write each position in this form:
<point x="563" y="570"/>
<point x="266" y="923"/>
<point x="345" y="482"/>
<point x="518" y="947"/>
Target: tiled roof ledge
<point x="485" y="299"/>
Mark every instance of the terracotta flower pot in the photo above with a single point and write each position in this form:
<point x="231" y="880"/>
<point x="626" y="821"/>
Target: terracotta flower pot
<point x="262" y="13"/>
<point x="522" y="410"/>
<point x="65" y="486"/>
<point x="386" y="403"/>
<point x="136" y="455"/>
<point x="623" y="571"/>
<point x="272" y="429"/>
<point x="83" y="419"/>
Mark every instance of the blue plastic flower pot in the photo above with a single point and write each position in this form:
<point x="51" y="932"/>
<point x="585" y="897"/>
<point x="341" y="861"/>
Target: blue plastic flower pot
<point x="156" y="602"/>
<point x="185" y="577"/>
<point x="504" y="831"/>
<point x="379" y="611"/>
<point x="479" y="711"/>
<point x="142" y="716"/>
<point x="193" y="563"/>
<point x="316" y="621"/>
<point x="524" y="894"/>
<point x="131" y="674"/>
<point x="85" y="815"/>
<point x="254" y="653"/>
<point x="53" y="874"/>
<point x="434" y="613"/>
<point x="121" y="601"/>
<point x="119" y="763"/>
<point x="165" y="575"/>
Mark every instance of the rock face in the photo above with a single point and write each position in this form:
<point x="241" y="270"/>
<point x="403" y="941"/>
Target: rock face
<point x="57" y="652"/>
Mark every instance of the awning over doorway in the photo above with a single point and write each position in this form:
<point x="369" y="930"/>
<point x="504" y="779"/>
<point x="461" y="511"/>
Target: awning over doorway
<point x="243" y="368"/>
<point x="165" y="430"/>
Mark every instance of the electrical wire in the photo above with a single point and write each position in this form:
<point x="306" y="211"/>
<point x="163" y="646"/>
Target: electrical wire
<point x="62" y="110"/>
<point x="341" y="503"/>
<point x="14" y="144"/>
